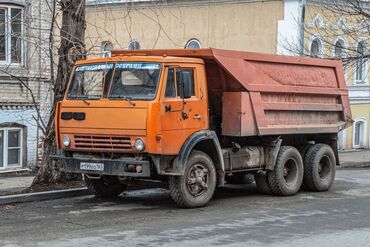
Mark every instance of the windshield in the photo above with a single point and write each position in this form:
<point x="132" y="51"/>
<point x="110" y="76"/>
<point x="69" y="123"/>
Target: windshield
<point x="135" y="80"/>
<point x="88" y="81"/>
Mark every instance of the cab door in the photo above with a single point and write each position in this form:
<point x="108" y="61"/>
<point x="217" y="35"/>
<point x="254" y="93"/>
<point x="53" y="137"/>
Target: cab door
<point x="181" y="117"/>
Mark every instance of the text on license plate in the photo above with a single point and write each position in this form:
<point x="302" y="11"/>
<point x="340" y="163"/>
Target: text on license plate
<point x="92" y="166"/>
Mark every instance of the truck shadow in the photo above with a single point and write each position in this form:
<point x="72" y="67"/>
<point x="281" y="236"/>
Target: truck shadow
<point x="160" y="198"/>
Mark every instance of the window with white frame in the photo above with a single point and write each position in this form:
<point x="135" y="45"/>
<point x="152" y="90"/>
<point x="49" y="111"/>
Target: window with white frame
<point x="316" y="48"/>
<point x="107" y="48"/>
<point x="359" y="133"/>
<point x="361" y="63"/>
<point x="193" y="44"/>
<point x="10" y="147"/>
<point x="11" y="32"/>
<point x="134" y="45"/>
<point x="340" y="51"/>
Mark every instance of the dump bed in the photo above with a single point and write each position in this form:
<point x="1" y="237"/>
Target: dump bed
<point x="260" y="94"/>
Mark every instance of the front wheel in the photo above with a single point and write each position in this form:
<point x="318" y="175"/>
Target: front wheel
<point x="197" y="186"/>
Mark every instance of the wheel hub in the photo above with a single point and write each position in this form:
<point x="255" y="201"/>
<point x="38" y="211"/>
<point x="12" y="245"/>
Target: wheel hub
<point x="197" y="180"/>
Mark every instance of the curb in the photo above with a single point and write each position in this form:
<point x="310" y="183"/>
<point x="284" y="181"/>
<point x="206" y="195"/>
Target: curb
<point x="41" y="196"/>
<point x="354" y="165"/>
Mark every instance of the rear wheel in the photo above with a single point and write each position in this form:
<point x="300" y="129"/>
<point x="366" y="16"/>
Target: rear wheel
<point x="262" y="184"/>
<point x="287" y="176"/>
<point x="197" y="186"/>
<point x="106" y="186"/>
<point x="319" y="168"/>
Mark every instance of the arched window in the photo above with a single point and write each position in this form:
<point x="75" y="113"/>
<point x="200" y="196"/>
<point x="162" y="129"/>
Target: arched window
<point x="316" y="48"/>
<point x="193" y="44"/>
<point x="340" y="51"/>
<point x="107" y="48"/>
<point x="339" y="48"/>
<point x="133" y="45"/>
<point x="359" y="133"/>
<point x="361" y="63"/>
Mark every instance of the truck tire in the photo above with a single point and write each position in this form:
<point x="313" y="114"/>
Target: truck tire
<point x="303" y="150"/>
<point x="240" y="178"/>
<point x="286" y="178"/>
<point x="106" y="186"/>
<point x="319" y="168"/>
<point x="197" y="186"/>
<point x="262" y="184"/>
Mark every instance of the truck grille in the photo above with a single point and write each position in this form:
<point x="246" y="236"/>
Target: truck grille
<point x="102" y="143"/>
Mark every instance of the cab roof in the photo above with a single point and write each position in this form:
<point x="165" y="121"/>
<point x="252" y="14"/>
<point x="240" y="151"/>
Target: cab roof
<point x="142" y="58"/>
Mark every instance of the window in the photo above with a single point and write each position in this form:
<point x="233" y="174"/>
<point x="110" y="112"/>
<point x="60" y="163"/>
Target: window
<point x="88" y="80"/>
<point x="340" y="51"/>
<point x="177" y="77"/>
<point x="193" y="44"/>
<point x="361" y="63"/>
<point x="316" y="48"/>
<point x="359" y="134"/>
<point x="133" y="45"/>
<point x="107" y="48"/>
<point x="135" y="81"/>
<point x="10" y="147"/>
<point x="11" y="32"/>
<point x="170" y="87"/>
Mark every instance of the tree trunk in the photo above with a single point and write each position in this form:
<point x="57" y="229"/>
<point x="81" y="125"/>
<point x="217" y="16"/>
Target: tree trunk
<point x="72" y="48"/>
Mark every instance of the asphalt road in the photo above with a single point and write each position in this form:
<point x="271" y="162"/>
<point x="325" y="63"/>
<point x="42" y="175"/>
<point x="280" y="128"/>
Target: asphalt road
<point x="235" y="217"/>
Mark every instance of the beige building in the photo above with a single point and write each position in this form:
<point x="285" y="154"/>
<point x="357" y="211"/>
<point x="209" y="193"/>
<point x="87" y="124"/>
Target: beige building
<point x="240" y="25"/>
<point x="338" y="35"/>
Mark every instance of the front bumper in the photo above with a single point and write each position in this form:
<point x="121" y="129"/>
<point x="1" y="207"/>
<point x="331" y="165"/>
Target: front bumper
<point x="121" y="167"/>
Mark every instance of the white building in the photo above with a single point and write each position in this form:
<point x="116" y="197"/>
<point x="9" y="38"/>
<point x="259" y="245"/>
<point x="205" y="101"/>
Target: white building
<point x="24" y="79"/>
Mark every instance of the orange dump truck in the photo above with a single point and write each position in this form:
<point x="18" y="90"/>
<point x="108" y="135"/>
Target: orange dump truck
<point x="197" y="119"/>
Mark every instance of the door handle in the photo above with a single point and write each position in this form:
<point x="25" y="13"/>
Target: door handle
<point x="198" y="117"/>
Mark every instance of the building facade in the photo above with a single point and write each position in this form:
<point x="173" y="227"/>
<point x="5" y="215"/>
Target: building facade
<point x="240" y="24"/>
<point x="24" y="80"/>
<point x="332" y="33"/>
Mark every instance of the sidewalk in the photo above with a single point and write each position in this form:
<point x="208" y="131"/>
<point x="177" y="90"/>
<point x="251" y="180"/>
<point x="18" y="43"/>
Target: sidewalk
<point x="14" y="184"/>
<point x="355" y="158"/>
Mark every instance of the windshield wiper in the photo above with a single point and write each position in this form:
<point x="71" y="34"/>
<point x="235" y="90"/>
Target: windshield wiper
<point x="127" y="98"/>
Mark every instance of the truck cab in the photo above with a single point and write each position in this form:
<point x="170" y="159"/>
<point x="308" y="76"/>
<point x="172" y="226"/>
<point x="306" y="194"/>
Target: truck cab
<point x="194" y="119"/>
<point x="133" y="106"/>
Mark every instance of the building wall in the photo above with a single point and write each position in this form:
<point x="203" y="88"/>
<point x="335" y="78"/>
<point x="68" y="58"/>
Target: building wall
<point x="25" y="85"/>
<point x="323" y="25"/>
<point x="239" y="25"/>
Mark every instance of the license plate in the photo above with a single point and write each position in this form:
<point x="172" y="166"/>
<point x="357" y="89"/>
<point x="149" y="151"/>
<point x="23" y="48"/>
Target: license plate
<point x="92" y="166"/>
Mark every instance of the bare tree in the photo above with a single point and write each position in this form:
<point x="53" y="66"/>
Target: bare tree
<point x="72" y="48"/>
<point x="336" y="32"/>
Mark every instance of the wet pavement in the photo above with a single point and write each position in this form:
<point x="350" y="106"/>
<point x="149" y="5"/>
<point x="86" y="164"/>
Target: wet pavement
<point x="237" y="216"/>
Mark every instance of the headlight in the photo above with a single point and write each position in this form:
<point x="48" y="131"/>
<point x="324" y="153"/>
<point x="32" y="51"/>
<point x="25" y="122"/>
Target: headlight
<point x="66" y="141"/>
<point x="139" y="145"/>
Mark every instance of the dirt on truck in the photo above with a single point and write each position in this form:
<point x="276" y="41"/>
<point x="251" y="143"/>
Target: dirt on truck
<point x="197" y="119"/>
